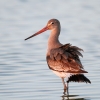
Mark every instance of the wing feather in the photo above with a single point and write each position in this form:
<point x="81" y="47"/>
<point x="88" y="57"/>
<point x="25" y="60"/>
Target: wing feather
<point x="66" y="59"/>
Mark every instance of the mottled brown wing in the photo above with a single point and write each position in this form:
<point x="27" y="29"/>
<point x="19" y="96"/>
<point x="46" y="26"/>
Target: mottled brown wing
<point x="65" y="59"/>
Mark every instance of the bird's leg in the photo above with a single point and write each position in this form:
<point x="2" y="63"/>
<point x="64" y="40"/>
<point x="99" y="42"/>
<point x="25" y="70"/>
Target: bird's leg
<point x="65" y="87"/>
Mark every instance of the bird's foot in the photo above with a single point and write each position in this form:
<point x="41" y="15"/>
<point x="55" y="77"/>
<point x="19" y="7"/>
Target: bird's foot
<point x="66" y="91"/>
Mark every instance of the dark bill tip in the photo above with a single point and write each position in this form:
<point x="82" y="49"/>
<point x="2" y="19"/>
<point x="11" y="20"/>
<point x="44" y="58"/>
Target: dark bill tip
<point x="31" y="36"/>
<point x="42" y="30"/>
<point x="28" y="38"/>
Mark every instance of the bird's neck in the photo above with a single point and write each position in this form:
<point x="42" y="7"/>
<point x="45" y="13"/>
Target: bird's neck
<point x="53" y="41"/>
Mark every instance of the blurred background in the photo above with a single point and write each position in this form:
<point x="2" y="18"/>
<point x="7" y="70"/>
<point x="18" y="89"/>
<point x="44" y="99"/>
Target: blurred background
<point x="24" y="74"/>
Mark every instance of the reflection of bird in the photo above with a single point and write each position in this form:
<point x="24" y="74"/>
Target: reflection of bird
<point x="63" y="60"/>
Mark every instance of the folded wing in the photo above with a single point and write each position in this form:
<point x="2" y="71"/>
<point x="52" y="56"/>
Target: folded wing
<point x="66" y="59"/>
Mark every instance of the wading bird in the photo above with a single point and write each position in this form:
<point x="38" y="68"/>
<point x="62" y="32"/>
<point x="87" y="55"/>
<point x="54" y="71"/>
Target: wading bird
<point x="63" y="60"/>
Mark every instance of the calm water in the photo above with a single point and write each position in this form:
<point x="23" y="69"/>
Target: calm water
<point x="24" y="74"/>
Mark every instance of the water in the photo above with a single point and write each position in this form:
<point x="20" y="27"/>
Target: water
<point x="24" y="74"/>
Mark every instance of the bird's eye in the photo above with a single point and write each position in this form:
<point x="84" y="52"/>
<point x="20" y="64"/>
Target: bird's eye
<point x="52" y="23"/>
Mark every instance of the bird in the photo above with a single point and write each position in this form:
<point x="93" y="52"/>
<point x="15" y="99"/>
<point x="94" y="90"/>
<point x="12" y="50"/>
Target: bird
<point x="63" y="59"/>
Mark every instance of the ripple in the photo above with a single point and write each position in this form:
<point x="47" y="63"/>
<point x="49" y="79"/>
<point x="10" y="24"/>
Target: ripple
<point x="24" y="74"/>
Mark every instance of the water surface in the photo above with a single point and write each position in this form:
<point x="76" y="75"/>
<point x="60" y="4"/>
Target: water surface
<point x="24" y="74"/>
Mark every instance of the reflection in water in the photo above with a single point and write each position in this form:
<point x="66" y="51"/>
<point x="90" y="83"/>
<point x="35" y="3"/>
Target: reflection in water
<point x="73" y="97"/>
<point x="66" y="96"/>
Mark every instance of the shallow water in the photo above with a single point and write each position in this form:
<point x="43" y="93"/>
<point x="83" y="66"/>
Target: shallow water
<point x="24" y="74"/>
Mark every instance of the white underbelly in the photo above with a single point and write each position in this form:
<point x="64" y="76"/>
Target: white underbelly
<point x="62" y="74"/>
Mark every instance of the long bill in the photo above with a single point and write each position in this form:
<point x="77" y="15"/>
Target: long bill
<point x="37" y="33"/>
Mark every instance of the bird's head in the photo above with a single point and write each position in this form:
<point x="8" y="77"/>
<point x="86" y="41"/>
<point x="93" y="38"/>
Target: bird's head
<point x="52" y="24"/>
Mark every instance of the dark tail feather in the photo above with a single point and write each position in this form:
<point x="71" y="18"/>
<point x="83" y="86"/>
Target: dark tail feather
<point x="78" y="78"/>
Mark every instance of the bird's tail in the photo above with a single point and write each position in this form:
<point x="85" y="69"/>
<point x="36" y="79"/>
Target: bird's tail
<point x="78" y="78"/>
